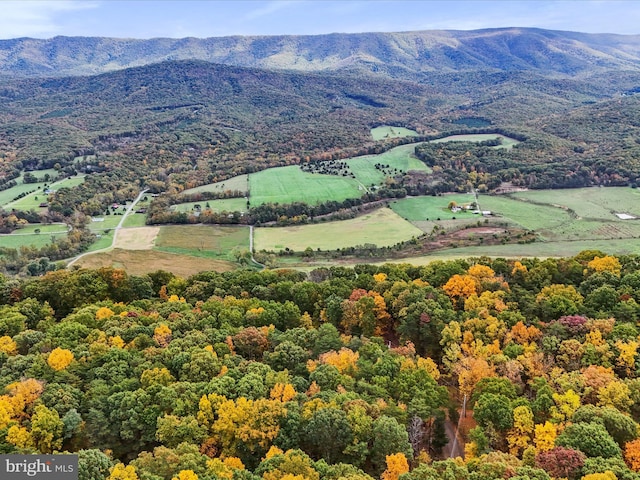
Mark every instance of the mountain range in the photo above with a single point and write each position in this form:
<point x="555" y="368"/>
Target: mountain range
<point x="408" y="55"/>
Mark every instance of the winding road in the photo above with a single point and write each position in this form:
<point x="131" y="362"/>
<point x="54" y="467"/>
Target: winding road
<point x="115" y="231"/>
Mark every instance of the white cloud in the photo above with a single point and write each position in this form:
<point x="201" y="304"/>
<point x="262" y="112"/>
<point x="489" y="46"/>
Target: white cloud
<point x="37" y="18"/>
<point x="269" y="8"/>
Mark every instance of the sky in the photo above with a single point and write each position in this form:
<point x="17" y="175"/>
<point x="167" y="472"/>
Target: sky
<point x="215" y="18"/>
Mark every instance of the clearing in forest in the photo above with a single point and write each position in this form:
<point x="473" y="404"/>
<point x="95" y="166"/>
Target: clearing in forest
<point x="381" y="227"/>
<point x="138" y="238"/>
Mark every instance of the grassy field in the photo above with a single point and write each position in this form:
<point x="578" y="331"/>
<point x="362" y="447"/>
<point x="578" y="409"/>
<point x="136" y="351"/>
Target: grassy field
<point x="104" y="240"/>
<point x="37" y="195"/>
<point x="135" y="220"/>
<point x="202" y="240"/>
<point x="139" y="262"/>
<point x="386" y="131"/>
<point x="400" y="158"/>
<point x="592" y="203"/>
<point x="507" y="142"/>
<point x="222" y="205"/>
<point x="239" y="183"/>
<point x="291" y="184"/>
<point x="27" y="236"/>
<point x="109" y="221"/>
<point x="527" y="215"/>
<point x="572" y="214"/>
<point x="536" y="249"/>
<point x="430" y="209"/>
<point x="381" y="227"/>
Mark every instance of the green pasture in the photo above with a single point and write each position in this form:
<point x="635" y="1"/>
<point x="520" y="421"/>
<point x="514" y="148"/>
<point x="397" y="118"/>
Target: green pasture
<point x="400" y="158"/>
<point x="591" y="202"/>
<point x="27" y="236"/>
<point x="33" y="200"/>
<point x="68" y="182"/>
<point x="7" y="196"/>
<point x="104" y="240"/>
<point x="387" y="131"/>
<point x="209" y="241"/>
<point x="40" y="175"/>
<point x="541" y="249"/>
<point x="135" y="220"/>
<point x="527" y="215"/>
<point x="222" y="205"/>
<point x="239" y="183"/>
<point x="430" y="209"/>
<point x="290" y="184"/>
<point x="109" y="221"/>
<point x="547" y="212"/>
<point x="381" y="227"/>
<point x="507" y="142"/>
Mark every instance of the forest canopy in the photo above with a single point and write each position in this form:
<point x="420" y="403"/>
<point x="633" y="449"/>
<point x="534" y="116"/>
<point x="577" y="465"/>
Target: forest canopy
<point x="337" y="373"/>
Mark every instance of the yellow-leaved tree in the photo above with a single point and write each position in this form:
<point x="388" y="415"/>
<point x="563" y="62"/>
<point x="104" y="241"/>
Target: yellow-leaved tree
<point x="120" y="472"/>
<point x="8" y="346"/>
<point x="545" y="436"/>
<point x="186" y="475"/>
<point x="606" y="475"/>
<point x="162" y="335"/>
<point x="283" y="392"/>
<point x="397" y="464"/>
<point x="605" y="264"/>
<point x="60" y="358"/>
<point x="519" y="437"/>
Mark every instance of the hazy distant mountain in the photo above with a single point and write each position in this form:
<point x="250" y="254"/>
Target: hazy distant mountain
<point x="399" y="55"/>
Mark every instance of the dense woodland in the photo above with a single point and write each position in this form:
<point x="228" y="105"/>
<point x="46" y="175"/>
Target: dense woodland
<point x="354" y="374"/>
<point x="339" y="373"/>
<point x="176" y="125"/>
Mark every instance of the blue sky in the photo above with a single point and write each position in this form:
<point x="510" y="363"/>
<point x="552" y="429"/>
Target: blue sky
<point x="213" y="18"/>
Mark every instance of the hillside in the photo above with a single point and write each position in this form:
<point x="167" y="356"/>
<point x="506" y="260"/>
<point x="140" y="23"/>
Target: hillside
<point x="406" y="55"/>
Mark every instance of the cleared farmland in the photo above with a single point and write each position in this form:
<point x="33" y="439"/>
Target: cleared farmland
<point x="507" y="142"/>
<point x="387" y="131"/>
<point x="205" y="241"/>
<point x="382" y="227"/>
<point x="139" y="262"/>
<point x="27" y="236"/>
<point x="417" y="209"/>
<point x="239" y="183"/>
<point x="290" y="184"/>
<point x="36" y="195"/>
<point x="571" y="215"/>
<point x="222" y="205"/>
<point x="400" y="159"/>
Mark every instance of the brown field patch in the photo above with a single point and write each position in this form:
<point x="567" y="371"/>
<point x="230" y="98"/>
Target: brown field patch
<point x="139" y="262"/>
<point x="137" y="238"/>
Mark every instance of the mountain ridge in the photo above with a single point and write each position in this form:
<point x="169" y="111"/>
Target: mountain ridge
<point x="407" y="55"/>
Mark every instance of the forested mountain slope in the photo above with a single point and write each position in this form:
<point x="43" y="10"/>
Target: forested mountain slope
<point x="397" y="55"/>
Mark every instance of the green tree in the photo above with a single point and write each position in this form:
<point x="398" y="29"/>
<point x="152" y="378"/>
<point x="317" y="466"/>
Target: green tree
<point x="592" y="439"/>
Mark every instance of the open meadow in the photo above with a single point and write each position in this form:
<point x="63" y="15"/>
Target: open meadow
<point x="34" y="235"/>
<point x="399" y="158"/>
<point x="387" y="131"/>
<point x="139" y="262"/>
<point x="507" y="142"/>
<point x="431" y="208"/>
<point x="239" y="183"/>
<point x="381" y="227"/>
<point x="222" y="205"/>
<point x="207" y="241"/>
<point x="571" y="214"/>
<point x="32" y="194"/>
<point x="290" y="184"/>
